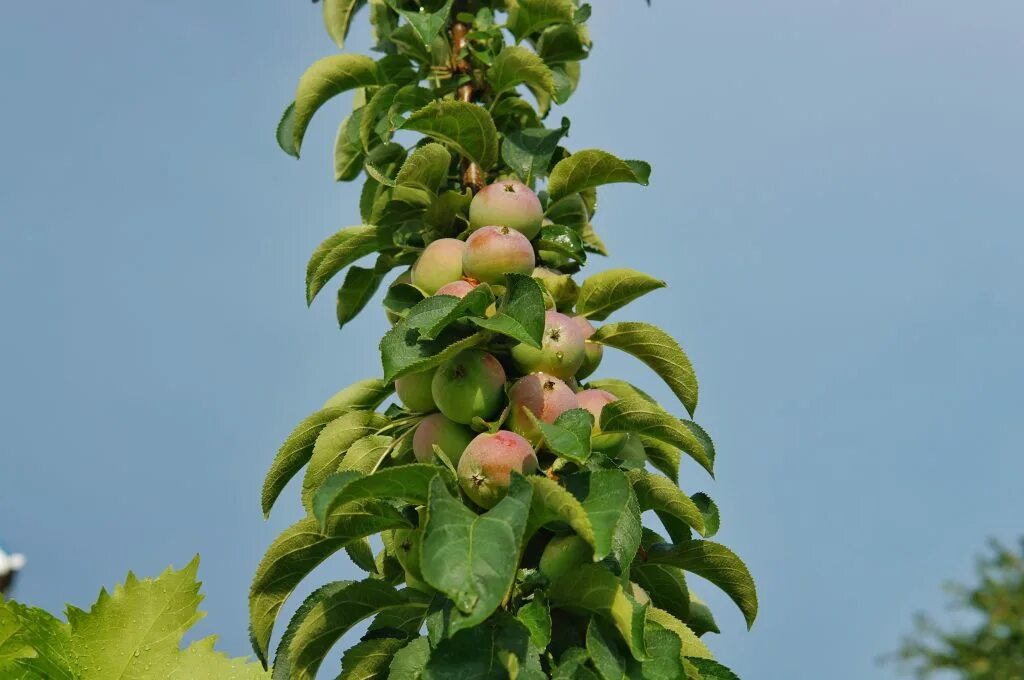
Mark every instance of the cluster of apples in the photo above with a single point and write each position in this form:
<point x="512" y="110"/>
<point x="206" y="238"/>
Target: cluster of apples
<point x="471" y="387"/>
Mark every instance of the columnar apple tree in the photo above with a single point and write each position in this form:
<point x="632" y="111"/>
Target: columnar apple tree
<point x="506" y="492"/>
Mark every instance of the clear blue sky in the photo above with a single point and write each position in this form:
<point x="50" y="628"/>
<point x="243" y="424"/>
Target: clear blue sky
<point x="836" y="204"/>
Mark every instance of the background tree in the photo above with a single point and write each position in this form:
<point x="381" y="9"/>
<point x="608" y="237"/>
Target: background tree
<point x="993" y="649"/>
<point x="507" y="494"/>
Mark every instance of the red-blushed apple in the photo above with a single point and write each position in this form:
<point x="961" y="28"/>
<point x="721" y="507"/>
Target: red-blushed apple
<point x="459" y="289"/>
<point x="507" y="203"/>
<point x="438" y="264"/>
<point x="545" y="396"/>
<point x="562" y="348"/>
<point x="491" y="252"/>
<point x="447" y="435"/>
<point x="485" y="470"/>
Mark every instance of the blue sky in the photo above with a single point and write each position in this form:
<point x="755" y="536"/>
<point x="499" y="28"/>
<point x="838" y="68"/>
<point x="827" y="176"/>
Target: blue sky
<point x="836" y="205"/>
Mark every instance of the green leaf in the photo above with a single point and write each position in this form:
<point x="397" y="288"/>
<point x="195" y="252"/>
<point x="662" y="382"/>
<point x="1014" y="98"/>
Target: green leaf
<point x="473" y="303"/>
<point x="569" y="436"/>
<point x="571" y="211"/>
<point x="553" y="503"/>
<point x="404" y="350"/>
<point x="365" y="395"/>
<point x="201" y="662"/>
<point x="337" y="252"/>
<point x="520" y="314"/>
<point x="660" y="494"/>
<point x="663" y="457"/>
<point x="691" y="645"/>
<point x="528" y="152"/>
<point x="591" y="241"/>
<point x="401" y="297"/>
<point x="361" y="553"/>
<point x="593" y="589"/>
<point x="536" y="616"/>
<point x="517" y="66"/>
<point x="712" y="670"/>
<point x="526" y="17"/>
<point x="648" y="420"/>
<point x="370" y="659"/>
<point x="473" y="558"/>
<point x="366" y="455"/>
<point x="426" y="24"/>
<point x="563" y="42"/>
<point x="665" y="585"/>
<point x="593" y="168"/>
<point x="356" y="291"/>
<point x="700" y="619"/>
<point x="408" y="98"/>
<point x="34" y="643"/>
<point x="484" y="653"/>
<point x="296" y="452"/>
<point x="409" y="662"/>
<point x="717" y="564"/>
<point x="332" y="612"/>
<point x="285" y="132"/>
<point x="562" y="240"/>
<point x="608" y="291"/>
<point x="323" y="80"/>
<point x="404" y="620"/>
<point x="338" y="18"/>
<point x="426" y="168"/>
<point x="299" y="549"/>
<point x="410" y="483"/>
<point x="375" y="109"/>
<point x="622" y="389"/>
<point x="466" y="127"/>
<point x="348" y="151"/>
<point x="659" y="351"/>
<point x="708" y="508"/>
<point x="606" y="497"/>
<point x="331" y="446"/>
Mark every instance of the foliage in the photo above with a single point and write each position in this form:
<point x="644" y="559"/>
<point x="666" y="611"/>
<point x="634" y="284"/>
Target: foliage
<point x="458" y="590"/>
<point x="133" y="632"/>
<point x="994" y="648"/>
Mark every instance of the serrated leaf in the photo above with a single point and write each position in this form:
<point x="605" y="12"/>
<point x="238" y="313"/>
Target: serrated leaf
<point x="691" y="645"/>
<point x="401" y="297"/>
<point x="611" y="290"/>
<point x="356" y="291"/>
<point x="640" y="417"/>
<point x="717" y="564"/>
<point x="410" y="661"/>
<point x="607" y="497"/>
<point x="364" y="395"/>
<point x="569" y="436"/>
<point x="337" y="252"/>
<point x="592" y="243"/>
<point x="473" y="558"/>
<point x="404" y="620"/>
<point x="370" y="659"/>
<point x="34" y="643"/>
<point x="528" y="151"/>
<point x="536" y="616"/>
<point x="348" y="151"/>
<point x="593" y="589"/>
<point x="700" y="619"/>
<point x="592" y="168"/>
<point x="331" y="446"/>
<point x="298" y="550"/>
<point x="563" y="42"/>
<point x="426" y="24"/>
<point x="200" y="661"/>
<point x="466" y="127"/>
<point x="708" y="508"/>
<point x="562" y="240"/>
<point x="426" y="168"/>
<point x="666" y="586"/>
<point x="571" y="211"/>
<point x="334" y="611"/>
<point x="408" y="98"/>
<point x="366" y="454"/>
<point x="660" y="494"/>
<point x="483" y="653"/>
<point x="663" y="457"/>
<point x="296" y="452"/>
<point x="404" y="350"/>
<point x="712" y="670"/>
<point x="567" y="79"/>
<point x="361" y="553"/>
<point x="323" y="80"/>
<point x="474" y="303"/>
<point x="658" y="350"/>
<point x="285" y="132"/>
<point x="518" y="66"/>
<point x="338" y="18"/>
<point x="520" y="313"/>
<point x="376" y="108"/>
<point x="410" y="483"/>
<point x="526" y="17"/>
<point x="553" y="503"/>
